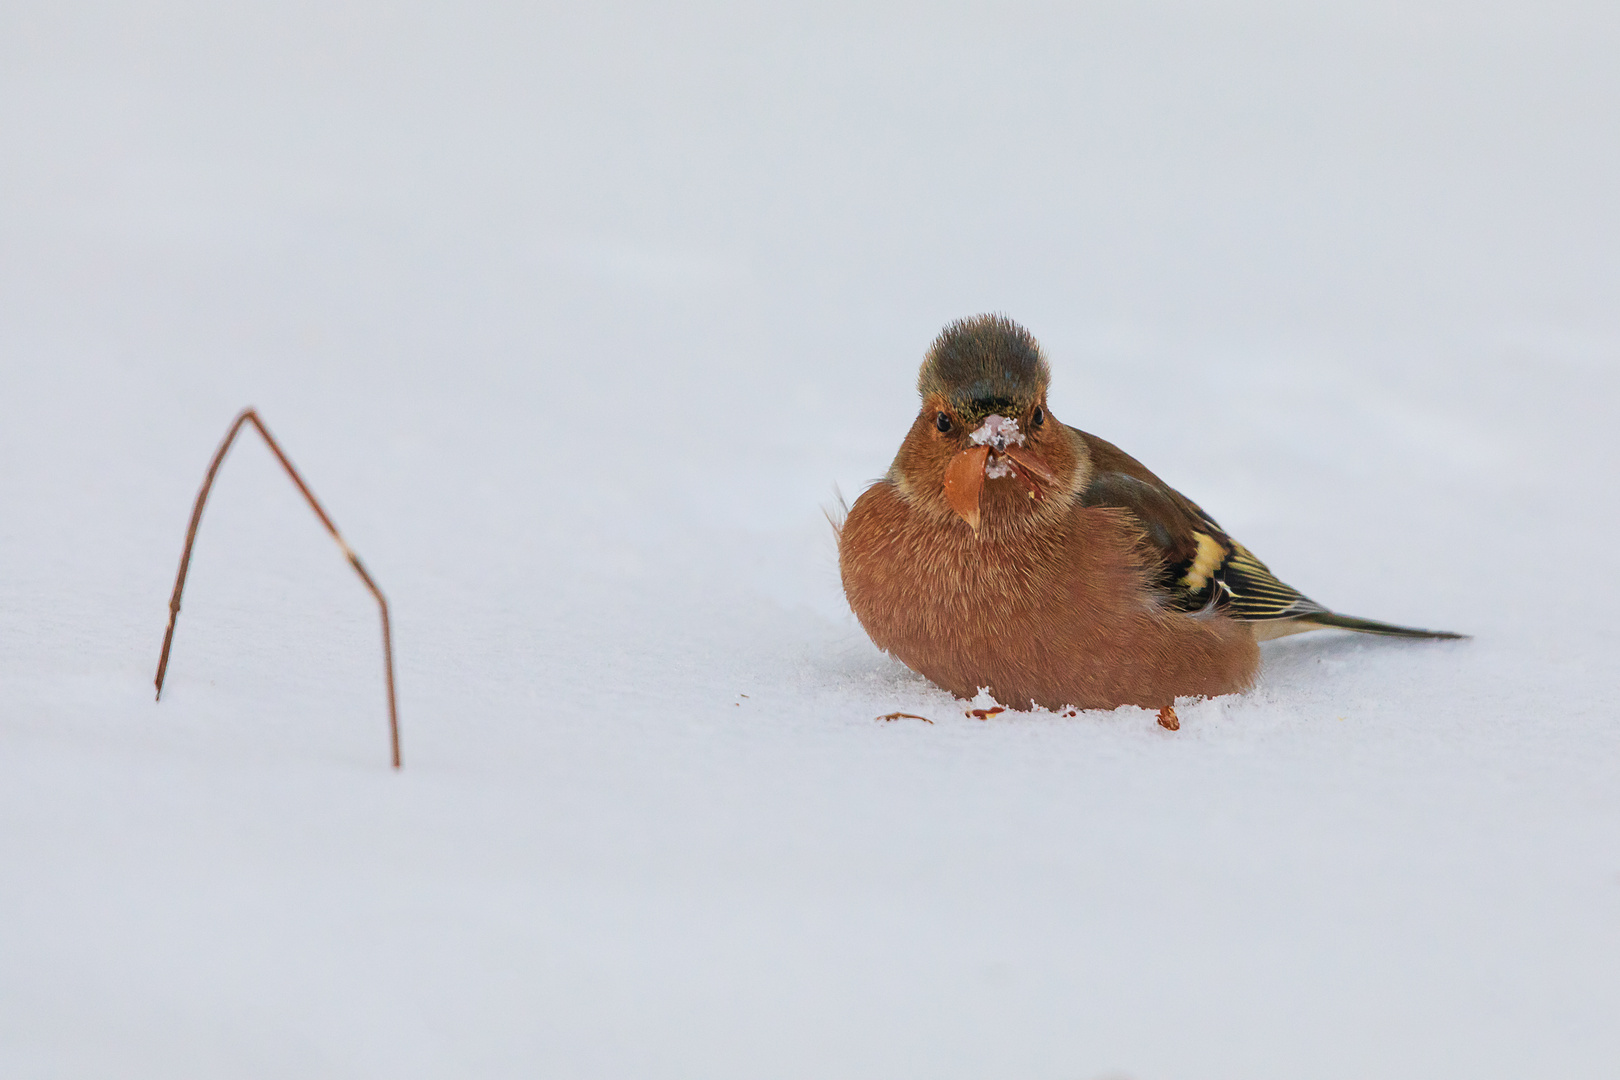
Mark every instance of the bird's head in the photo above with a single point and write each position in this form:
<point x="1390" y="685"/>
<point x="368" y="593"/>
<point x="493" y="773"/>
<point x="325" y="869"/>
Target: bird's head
<point x="985" y="444"/>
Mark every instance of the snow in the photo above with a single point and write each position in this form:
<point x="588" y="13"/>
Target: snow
<point x="575" y="321"/>
<point x="998" y="431"/>
<point x="999" y="468"/>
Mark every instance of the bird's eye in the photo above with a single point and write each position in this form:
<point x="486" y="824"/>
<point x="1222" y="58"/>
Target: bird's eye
<point x="942" y="421"/>
<point x="1039" y="418"/>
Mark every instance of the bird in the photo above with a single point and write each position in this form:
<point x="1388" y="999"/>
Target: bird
<point x="1007" y="551"/>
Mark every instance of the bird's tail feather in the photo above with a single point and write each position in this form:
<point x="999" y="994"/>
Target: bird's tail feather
<point x="1373" y="626"/>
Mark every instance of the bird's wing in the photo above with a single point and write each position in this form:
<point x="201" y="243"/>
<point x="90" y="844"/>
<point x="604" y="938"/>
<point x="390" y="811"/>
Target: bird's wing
<point x="1201" y="566"/>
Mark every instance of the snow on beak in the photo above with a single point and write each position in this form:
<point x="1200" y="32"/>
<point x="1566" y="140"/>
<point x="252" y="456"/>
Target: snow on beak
<point x="997" y="432"/>
<point x="998" y="451"/>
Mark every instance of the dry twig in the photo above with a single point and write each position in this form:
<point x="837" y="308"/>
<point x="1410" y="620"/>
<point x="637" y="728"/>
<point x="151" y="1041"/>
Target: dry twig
<point x="249" y="416"/>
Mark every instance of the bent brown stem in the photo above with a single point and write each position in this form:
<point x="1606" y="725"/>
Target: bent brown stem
<point x="249" y="416"/>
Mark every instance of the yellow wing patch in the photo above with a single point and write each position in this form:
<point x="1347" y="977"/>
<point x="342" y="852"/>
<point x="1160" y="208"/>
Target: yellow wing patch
<point x="1208" y="558"/>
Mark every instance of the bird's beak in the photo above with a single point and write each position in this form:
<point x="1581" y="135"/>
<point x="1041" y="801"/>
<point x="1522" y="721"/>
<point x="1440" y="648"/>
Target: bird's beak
<point x="965" y="476"/>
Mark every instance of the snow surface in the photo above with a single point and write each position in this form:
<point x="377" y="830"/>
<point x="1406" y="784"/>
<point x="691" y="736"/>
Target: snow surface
<point x="577" y="321"/>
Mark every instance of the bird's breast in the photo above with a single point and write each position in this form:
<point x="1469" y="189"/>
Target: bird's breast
<point x="1057" y="615"/>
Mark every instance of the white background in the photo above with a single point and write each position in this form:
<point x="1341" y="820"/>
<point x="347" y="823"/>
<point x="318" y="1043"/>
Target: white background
<point x="577" y="320"/>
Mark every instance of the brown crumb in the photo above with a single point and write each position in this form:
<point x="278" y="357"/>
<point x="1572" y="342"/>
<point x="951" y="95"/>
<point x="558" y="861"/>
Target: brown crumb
<point x="1168" y="719"/>
<point x="985" y="714"/>
<point x="905" y="716"/>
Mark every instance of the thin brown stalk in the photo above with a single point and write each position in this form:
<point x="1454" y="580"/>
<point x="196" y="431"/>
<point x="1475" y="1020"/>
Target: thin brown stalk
<point x="249" y="416"/>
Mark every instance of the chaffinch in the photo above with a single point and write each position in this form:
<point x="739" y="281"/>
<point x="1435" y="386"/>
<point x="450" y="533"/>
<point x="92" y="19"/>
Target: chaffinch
<point x="1004" y="549"/>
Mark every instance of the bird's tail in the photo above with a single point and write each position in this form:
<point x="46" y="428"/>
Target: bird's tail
<point x="1373" y="626"/>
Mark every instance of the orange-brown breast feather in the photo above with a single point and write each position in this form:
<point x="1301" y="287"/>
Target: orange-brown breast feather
<point x="1060" y="616"/>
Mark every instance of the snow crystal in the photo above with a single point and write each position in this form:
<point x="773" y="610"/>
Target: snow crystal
<point x="997" y="432"/>
<point x="999" y="466"/>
